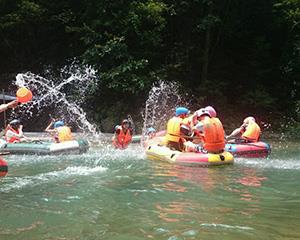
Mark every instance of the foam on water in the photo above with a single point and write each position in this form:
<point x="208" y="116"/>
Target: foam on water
<point x="287" y="164"/>
<point x="216" y="225"/>
<point x="21" y="182"/>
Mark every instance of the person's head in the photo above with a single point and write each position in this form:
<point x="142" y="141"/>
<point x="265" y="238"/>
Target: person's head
<point x="125" y="124"/>
<point x="248" y="120"/>
<point x="211" y="111"/>
<point x="15" y="124"/>
<point x="202" y="113"/>
<point x="151" y="132"/>
<point x="59" y="123"/>
<point x="181" y="112"/>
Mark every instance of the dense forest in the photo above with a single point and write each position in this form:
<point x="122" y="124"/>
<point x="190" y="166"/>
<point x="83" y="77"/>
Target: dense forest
<point x="233" y="54"/>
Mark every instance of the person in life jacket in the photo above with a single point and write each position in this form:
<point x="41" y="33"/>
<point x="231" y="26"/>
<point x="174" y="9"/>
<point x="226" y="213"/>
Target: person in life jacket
<point x="249" y="131"/>
<point x="4" y="107"/>
<point x="178" y="130"/>
<point x="193" y="121"/>
<point x="14" y="132"/>
<point x="59" y="131"/>
<point x="123" y="135"/>
<point x="148" y="137"/>
<point x="211" y="131"/>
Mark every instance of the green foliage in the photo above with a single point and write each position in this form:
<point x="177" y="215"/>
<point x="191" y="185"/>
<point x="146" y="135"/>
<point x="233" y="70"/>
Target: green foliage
<point x="239" y="52"/>
<point x="259" y="98"/>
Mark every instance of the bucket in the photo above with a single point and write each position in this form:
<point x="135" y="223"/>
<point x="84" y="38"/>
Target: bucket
<point x="24" y="95"/>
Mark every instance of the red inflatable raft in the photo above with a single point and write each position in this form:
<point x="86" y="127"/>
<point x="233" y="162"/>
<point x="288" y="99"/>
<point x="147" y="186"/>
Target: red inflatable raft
<point x="249" y="150"/>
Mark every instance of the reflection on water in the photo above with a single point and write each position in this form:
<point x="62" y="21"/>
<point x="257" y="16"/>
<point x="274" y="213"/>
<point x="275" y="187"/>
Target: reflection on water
<point x="207" y="178"/>
<point x="251" y="178"/>
<point x="173" y="211"/>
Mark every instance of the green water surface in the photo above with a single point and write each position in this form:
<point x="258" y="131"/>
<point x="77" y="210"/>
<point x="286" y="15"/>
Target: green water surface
<point x="109" y="194"/>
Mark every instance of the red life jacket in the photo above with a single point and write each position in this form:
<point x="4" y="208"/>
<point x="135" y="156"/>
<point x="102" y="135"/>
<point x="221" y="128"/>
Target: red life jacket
<point x="214" y="140"/>
<point x="122" y="140"/>
<point x="12" y="139"/>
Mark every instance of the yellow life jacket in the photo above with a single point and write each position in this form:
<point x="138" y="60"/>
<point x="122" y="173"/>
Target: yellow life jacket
<point x="64" y="134"/>
<point x="173" y="129"/>
<point x="252" y="132"/>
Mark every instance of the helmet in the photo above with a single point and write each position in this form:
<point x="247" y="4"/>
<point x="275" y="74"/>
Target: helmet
<point x="15" y="122"/>
<point x="186" y="130"/>
<point x="211" y="111"/>
<point x="202" y="111"/>
<point x="58" y="124"/>
<point x="249" y="119"/>
<point x="181" y="111"/>
<point x="151" y="130"/>
<point x="125" y="121"/>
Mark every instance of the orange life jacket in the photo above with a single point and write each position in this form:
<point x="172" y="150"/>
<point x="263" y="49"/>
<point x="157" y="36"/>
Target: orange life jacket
<point x="252" y="132"/>
<point x="214" y="136"/>
<point x="64" y="134"/>
<point x="122" y="140"/>
<point x="12" y="139"/>
<point x="173" y="129"/>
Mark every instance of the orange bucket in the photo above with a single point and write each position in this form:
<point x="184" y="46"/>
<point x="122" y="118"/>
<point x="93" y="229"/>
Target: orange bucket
<point x="24" y="95"/>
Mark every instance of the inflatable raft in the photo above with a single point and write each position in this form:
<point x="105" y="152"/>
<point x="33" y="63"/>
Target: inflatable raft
<point x="47" y="148"/>
<point x="163" y="153"/>
<point x="249" y="150"/>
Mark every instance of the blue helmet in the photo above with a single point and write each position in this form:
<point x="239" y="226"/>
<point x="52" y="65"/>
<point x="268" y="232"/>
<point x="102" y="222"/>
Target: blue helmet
<point x="181" y="110"/>
<point x="150" y="130"/>
<point x="58" y="124"/>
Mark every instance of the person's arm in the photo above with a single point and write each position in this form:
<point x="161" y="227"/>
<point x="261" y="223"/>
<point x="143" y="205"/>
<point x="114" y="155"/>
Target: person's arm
<point x="3" y="107"/>
<point x="12" y="104"/>
<point x="48" y="128"/>
<point x="235" y="133"/>
<point x="10" y="133"/>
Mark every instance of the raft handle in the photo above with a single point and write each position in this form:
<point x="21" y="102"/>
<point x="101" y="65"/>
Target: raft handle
<point x="222" y="157"/>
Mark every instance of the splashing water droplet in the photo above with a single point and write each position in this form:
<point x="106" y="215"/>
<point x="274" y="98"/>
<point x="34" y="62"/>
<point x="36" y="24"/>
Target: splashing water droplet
<point x="162" y="100"/>
<point x="66" y="94"/>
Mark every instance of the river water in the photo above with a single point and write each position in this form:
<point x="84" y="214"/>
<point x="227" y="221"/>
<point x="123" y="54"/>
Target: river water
<point x="118" y="195"/>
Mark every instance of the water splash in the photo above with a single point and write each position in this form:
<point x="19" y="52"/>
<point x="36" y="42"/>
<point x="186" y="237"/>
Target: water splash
<point x="43" y="178"/>
<point x="162" y="100"/>
<point x="65" y="93"/>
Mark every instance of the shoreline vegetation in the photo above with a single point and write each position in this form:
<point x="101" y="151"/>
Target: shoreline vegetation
<point x="242" y="57"/>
